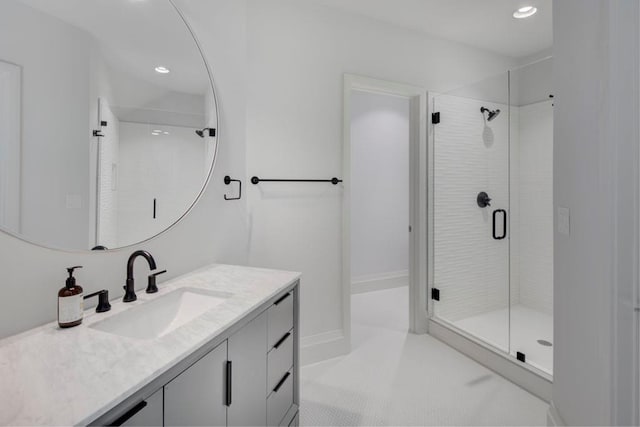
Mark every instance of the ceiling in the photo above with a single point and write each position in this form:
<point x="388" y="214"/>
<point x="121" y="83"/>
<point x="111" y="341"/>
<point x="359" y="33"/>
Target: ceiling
<point x="136" y="36"/>
<point x="486" y="24"/>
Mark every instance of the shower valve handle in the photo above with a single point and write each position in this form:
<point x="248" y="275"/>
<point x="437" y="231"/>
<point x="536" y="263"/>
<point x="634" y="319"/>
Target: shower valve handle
<point x="483" y="200"/>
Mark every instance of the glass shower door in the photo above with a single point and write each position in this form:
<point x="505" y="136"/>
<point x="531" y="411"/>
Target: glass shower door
<point x="531" y="100"/>
<point x="471" y="204"/>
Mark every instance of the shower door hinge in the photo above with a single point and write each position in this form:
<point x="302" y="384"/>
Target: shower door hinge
<point x="435" y="118"/>
<point x="435" y="294"/>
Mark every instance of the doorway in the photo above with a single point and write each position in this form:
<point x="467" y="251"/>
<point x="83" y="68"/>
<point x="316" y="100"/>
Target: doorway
<point x="384" y="219"/>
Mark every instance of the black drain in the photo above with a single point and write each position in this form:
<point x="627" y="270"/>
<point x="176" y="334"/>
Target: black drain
<point x="545" y="343"/>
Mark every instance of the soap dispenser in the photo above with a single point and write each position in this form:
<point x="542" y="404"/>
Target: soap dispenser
<point x="70" y="302"/>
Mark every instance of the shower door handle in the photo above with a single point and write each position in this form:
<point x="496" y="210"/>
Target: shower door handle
<point x="504" y="224"/>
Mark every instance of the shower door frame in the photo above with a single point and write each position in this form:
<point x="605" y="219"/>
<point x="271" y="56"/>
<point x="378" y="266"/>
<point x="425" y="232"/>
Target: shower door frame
<point x="528" y="377"/>
<point x="417" y="96"/>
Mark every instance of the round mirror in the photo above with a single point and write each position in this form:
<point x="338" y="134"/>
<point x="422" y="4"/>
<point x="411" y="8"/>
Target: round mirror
<point x="108" y="121"/>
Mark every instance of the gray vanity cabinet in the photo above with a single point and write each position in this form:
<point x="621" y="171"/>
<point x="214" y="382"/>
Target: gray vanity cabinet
<point x="250" y="378"/>
<point x="247" y="356"/>
<point x="197" y="396"/>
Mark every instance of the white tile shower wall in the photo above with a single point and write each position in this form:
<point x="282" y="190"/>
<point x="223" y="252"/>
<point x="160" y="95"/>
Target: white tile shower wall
<point x="175" y="186"/>
<point x="536" y="206"/>
<point x="471" y="268"/>
<point x="109" y="146"/>
<point x="530" y="219"/>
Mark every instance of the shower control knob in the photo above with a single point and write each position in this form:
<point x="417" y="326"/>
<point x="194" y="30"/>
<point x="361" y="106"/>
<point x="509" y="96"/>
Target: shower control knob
<point x="483" y="200"/>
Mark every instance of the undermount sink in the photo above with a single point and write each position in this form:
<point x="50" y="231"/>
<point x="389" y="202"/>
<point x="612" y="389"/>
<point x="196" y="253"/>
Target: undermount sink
<point x="158" y="317"/>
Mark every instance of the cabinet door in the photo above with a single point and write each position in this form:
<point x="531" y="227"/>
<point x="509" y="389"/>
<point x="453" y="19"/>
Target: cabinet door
<point x="145" y="413"/>
<point x="197" y="396"/>
<point x="248" y="357"/>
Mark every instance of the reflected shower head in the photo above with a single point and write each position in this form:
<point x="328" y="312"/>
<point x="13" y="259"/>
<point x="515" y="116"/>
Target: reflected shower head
<point x="492" y="113"/>
<point x="211" y="132"/>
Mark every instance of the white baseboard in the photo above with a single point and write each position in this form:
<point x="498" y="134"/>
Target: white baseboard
<point x="327" y="345"/>
<point x="378" y="282"/>
<point x="553" y="417"/>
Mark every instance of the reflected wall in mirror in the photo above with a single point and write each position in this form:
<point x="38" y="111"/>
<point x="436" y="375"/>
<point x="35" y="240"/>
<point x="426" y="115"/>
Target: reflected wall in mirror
<point x="105" y="111"/>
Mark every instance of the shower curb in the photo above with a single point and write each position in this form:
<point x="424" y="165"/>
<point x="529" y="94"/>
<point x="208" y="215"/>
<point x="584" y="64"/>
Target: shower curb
<point x="537" y="384"/>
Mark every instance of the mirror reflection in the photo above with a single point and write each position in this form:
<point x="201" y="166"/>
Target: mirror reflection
<point x="108" y="121"/>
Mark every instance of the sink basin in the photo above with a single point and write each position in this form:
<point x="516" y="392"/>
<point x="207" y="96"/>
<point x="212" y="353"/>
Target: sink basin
<point x="157" y="318"/>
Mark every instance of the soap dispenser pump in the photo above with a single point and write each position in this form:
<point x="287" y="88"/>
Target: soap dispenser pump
<point x="70" y="302"/>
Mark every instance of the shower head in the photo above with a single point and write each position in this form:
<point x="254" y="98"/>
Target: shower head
<point x="201" y="133"/>
<point x="492" y="113"/>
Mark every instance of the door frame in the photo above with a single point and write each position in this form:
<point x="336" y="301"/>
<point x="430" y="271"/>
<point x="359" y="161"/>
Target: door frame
<point x="417" y="97"/>
<point x="11" y="170"/>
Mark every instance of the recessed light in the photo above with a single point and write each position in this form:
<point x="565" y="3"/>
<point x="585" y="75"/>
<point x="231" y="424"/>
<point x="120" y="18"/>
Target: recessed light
<point x="525" y="12"/>
<point x="165" y="132"/>
<point x="162" y="70"/>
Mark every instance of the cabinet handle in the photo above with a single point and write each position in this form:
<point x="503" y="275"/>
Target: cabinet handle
<point x="282" y="298"/>
<point x="282" y="381"/>
<point x="129" y="414"/>
<point x="282" y="340"/>
<point x="228" y="383"/>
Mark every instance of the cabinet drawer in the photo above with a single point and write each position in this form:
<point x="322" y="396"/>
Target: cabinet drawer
<point x="280" y="319"/>
<point x="279" y="360"/>
<point x="280" y="400"/>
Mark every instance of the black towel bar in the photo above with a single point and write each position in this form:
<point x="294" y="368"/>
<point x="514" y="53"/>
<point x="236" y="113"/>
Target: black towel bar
<point x="256" y="180"/>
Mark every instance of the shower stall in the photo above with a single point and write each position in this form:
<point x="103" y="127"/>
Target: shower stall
<point x="491" y="240"/>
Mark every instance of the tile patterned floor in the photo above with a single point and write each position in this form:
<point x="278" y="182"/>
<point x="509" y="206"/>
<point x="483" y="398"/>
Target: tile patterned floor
<point x="392" y="377"/>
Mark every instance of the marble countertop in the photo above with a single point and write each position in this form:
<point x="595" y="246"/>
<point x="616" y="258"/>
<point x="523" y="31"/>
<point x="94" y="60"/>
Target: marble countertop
<point x="53" y="376"/>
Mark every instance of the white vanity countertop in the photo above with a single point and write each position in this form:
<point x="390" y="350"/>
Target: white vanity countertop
<point x="52" y="376"/>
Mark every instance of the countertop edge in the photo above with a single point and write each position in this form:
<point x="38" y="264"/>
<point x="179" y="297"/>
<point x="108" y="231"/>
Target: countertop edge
<point x="131" y="392"/>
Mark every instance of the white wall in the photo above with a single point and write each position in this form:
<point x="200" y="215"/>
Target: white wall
<point x="278" y="69"/>
<point x="379" y="187"/>
<point x="297" y="56"/>
<point x="10" y="137"/>
<point x="535" y="193"/>
<point x="55" y="110"/>
<point x="596" y="69"/>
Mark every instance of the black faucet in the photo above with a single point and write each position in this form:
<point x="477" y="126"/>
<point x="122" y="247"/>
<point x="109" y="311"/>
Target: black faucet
<point x="130" y="294"/>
